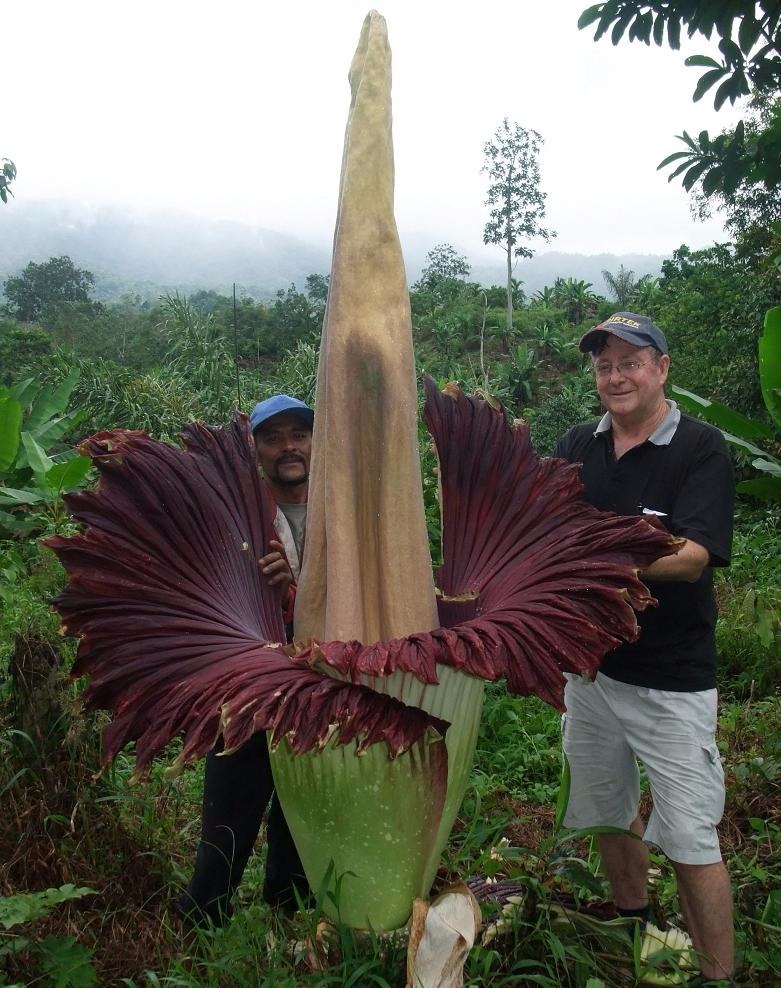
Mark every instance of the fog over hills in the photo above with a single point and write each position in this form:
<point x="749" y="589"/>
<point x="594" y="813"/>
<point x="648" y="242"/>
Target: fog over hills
<point x="157" y="252"/>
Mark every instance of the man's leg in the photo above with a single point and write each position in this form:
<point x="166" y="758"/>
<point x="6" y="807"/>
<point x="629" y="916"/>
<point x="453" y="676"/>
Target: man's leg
<point x="284" y="871"/>
<point x="605" y="787"/>
<point x="706" y="901"/>
<point x="687" y="785"/>
<point x="625" y="862"/>
<point x="236" y="791"/>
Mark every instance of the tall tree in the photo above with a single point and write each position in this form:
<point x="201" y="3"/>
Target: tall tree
<point x="750" y="64"/>
<point x="515" y="198"/>
<point x="41" y="287"/>
<point x="444" y="262"/>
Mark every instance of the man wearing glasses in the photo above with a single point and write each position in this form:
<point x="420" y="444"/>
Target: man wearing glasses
<point x="655" y="699"/>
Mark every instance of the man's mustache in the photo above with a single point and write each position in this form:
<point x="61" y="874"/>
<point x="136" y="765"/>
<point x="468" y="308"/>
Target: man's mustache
<point x="290" y="458"/>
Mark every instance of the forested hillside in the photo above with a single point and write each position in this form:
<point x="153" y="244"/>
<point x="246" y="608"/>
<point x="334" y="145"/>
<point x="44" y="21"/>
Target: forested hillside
<point x="148" y="254"/>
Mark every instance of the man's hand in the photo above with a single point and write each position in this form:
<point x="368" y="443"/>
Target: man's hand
<point x="275" y="566"/>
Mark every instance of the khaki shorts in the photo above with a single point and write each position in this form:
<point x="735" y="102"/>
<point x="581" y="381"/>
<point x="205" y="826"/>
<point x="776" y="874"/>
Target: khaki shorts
<point x="608" y="726"/>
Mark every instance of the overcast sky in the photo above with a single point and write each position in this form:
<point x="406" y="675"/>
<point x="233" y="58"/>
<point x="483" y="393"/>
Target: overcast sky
<point x="237" y="110"/>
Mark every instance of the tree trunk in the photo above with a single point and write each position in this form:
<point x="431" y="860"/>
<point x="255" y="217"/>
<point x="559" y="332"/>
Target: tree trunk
<point x="509" y="251"/>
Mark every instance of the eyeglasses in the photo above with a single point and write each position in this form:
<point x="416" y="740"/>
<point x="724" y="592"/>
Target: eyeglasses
<point x="624" y="367"/>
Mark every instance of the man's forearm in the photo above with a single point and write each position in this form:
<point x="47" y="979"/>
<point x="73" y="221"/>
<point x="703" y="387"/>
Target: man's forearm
<point x="686" y="566"/>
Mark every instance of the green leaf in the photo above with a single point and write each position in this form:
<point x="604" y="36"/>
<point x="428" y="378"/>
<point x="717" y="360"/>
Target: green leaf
<point x="10" y="426"/>
<point x="767" y="488"/>
<point x="26" y="906"/>
<point x="706" y="80"/>
<point x="620" y="27"/>
<point x="748" y="32"/>
<point x="589" y="16"/>
<point x="659" y="29"/>
<point x="50" y="403"/>
<point x="770" y="364"/>
<point x="37" y="459"/>
<point x="674" y="32"/>
<point x="23" y="391"/>
<point x="9" y="495"/>
<point x="702" y="60"/>
<point x="66" y="476"/>
<point x="16" y="526"/>
<point x="713" y="180"/>
<point x="733" y="86"/>
<point x="694" y="173"/>
<point x="767" y="466"/>
<point x="579" y="876"/>
<point x="743" y="444"/>
<point x="724" y="417"/>
<point x="10" y="949"/>
<point x="53" y="430"/>
<point x="67" y="963"/>
<point x="672" y="157"/>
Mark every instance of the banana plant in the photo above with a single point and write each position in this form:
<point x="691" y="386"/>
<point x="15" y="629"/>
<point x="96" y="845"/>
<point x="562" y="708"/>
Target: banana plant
<point x="33" y="420"/>
<point x="744" y="432"/>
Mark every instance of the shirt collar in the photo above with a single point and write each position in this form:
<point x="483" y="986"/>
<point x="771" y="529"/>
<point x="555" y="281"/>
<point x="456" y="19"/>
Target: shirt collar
<point x="662" y="434"/>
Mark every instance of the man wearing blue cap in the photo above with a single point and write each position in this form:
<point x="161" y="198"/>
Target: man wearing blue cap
<point x="282" y="427"/>
<point x="238" y="787"/>
<point x="655" y="699"/>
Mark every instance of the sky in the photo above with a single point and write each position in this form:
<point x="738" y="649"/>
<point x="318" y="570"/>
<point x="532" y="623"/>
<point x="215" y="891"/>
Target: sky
<point x="237" y="110"/>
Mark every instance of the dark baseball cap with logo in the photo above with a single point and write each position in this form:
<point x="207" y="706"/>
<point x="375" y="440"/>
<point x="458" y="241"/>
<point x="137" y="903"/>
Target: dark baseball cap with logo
<point x="628" y="326"/>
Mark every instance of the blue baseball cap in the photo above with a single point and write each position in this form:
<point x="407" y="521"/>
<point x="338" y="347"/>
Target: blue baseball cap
<point x="264" y="410"/>
<point x="628" y="326"/>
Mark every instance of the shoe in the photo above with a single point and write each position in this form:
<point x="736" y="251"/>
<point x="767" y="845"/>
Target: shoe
<point x="193" y="916"/>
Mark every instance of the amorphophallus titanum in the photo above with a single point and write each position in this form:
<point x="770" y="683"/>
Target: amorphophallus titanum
<point x="180" y="635"/>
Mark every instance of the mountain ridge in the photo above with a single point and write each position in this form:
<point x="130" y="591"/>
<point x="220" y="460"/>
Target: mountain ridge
<point x="148" y="254"/>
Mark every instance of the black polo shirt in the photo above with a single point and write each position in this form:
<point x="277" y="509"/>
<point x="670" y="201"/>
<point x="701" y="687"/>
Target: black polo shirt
<point x="683" y="475"/>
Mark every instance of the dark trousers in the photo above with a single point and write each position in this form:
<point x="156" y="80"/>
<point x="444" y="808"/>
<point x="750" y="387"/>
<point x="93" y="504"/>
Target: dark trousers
<point x="237" y="789"/>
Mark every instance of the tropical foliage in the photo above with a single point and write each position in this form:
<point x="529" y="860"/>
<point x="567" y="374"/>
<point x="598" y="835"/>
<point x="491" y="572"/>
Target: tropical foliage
<point x="748" y="64"/>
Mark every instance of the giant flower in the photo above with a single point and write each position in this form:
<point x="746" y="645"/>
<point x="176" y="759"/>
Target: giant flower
<point x="373" y="713"/>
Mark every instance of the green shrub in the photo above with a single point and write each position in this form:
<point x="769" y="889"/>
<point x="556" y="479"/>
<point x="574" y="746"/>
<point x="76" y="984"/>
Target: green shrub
<point x="576" y="402"/>
<point x="748" y="633"/>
